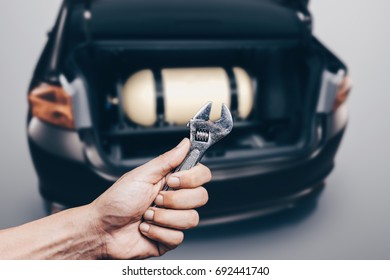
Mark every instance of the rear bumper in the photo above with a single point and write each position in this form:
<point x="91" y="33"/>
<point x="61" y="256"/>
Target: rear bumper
<point x="69" y="179"/>
<point x="282" y="185"/>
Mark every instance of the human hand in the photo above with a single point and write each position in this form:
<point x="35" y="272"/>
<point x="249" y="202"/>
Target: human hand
<point x="129" y="227"/>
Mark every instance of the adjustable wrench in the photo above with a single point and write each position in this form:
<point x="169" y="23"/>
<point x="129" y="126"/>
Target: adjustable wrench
<point x="203" y="134"/>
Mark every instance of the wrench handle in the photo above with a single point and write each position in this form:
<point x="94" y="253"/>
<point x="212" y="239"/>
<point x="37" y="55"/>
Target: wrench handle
<point x="192" y="158"/>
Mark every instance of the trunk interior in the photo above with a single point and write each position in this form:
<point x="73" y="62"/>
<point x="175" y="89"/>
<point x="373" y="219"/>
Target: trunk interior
<point x="283" y="102"/>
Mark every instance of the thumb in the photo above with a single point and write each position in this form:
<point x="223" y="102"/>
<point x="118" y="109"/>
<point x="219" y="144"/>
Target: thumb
<point x="159" y="167"/>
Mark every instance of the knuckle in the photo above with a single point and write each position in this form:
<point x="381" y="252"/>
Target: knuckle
<point x="170" y="198"/>
<point x="205" y="172"/>
<point x="187" y="178"/>
<point x="204" y="195"/>
<point x="193" y="218"/>
<point x="156" y="214"/>
<point x="191" y="181"/>
<point x="165" y="162"/>
<point x="209" y="174"/>
<point x="178" y="238"/>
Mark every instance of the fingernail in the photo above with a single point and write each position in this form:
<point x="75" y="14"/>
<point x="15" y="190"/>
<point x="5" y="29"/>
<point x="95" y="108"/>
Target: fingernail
<point x="144" y="227"/>
<point x="181" y="143"/>
<point x="159" y="200"/>
<point x="173" y="181"/>
<point x="149" y="214"/>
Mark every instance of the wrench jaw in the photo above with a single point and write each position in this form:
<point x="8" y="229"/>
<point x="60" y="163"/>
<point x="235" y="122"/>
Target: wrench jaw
<point x="205" y="133"/>
<point x="225" y="123"/>
<point x="204" y="112"/>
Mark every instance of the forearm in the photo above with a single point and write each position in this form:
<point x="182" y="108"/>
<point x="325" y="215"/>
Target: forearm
<point x="65" y="235"/>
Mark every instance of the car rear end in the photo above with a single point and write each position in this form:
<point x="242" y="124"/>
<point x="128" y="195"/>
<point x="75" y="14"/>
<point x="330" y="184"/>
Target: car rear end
<point x="84" y="133"/>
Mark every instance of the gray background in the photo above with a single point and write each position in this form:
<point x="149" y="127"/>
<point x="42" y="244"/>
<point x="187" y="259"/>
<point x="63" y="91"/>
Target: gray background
<point x="350" y="219"/>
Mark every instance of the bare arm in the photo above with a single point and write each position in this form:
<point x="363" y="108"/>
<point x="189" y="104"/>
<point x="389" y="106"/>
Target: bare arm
<point x="119" y="224"/>
<point x="65" y="235"/>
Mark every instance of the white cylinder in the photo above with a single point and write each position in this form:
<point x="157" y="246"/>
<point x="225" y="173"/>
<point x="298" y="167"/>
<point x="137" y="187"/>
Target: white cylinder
<point x="185" y="90"/>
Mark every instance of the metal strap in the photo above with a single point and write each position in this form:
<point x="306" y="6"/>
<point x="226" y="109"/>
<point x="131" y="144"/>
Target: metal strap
<point x="233" y="91"/>
<point x="160" y="109"/>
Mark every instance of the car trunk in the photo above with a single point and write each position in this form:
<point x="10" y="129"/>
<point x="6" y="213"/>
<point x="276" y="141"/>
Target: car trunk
<point x="285" y="78"/>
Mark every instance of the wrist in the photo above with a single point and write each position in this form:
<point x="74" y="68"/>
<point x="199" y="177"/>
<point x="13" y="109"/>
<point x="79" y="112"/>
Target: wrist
<point x="97" y="235"/>
<point x="76" y="236"/>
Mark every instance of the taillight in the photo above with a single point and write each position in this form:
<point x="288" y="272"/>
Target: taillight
<point x="52" y="104"/>
<point x="342" y="92"/>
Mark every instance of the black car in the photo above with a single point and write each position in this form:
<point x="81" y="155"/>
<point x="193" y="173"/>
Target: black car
<point x="118" y="79"/>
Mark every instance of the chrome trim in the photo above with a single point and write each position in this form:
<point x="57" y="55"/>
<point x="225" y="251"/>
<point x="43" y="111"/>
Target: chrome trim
<point x="76" y="89"/>
<point x="328" y="91"/>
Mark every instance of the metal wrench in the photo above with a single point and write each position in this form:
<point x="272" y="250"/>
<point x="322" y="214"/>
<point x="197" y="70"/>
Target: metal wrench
<point x="203" y="134"/>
